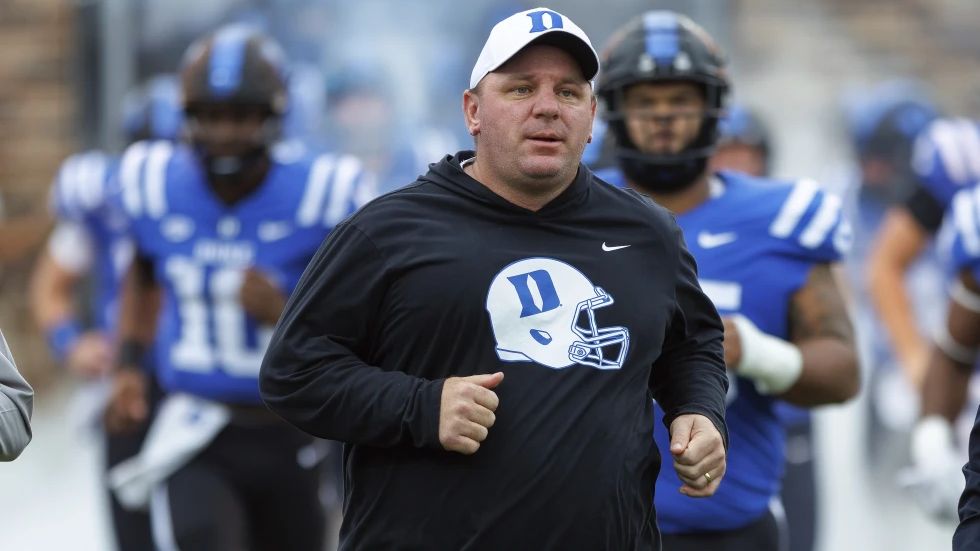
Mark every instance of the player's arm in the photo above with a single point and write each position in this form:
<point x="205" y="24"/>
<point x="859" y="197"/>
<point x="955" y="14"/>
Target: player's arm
<point x="818" y="365"/>
<point x="944" y="390"/>
<point x="54" y="282"/>
<point x="899" y="242"/>
<point x="139" y="304"/>
<point x="821" y="328"/>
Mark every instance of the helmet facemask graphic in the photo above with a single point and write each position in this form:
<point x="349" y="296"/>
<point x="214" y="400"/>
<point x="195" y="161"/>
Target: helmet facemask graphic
<point x="544" y="311"/>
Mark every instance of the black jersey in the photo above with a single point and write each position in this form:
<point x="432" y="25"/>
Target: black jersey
<point x="590" y="306"/>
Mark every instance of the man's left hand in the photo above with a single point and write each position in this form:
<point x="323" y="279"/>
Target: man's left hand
<point x="699" y="454"/>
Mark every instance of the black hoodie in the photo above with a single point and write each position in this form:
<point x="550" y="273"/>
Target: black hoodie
<point x="590" y="306"/>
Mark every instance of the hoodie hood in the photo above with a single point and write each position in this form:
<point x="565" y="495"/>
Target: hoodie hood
<point x="448" y="173"/>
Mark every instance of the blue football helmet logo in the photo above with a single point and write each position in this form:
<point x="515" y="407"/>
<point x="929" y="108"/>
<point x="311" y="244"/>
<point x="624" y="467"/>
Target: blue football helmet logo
<point x="544" y="311"/>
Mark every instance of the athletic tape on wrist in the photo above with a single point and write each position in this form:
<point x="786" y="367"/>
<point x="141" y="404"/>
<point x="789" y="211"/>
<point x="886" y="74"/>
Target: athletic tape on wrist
<point x="956" y="351"/>
<point x="772" y="363"/>
<point x="964" y="297"/>
<point x="62" y="337"/>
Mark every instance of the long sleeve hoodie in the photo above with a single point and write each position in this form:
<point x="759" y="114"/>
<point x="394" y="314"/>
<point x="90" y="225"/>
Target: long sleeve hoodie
<point x="591" y="308"/>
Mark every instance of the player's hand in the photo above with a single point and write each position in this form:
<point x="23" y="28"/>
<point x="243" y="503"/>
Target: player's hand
<point x="697" y="448"/>
<point x="466" y="411"/>
<point x="127" y="408"/>
<point x="261" y="297"/>
<point x="733" y="344"/>
<point x="91" y="356"/>
<point x="935" y="479"/>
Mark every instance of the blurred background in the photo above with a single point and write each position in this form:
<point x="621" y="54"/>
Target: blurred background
<point x="383" y="79"/>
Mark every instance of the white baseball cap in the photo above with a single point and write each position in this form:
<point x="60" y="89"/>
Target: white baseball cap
<point x="542" y="26"/>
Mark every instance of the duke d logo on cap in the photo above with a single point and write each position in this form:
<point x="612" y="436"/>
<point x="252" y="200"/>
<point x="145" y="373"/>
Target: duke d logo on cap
<point x="542" y="26"/>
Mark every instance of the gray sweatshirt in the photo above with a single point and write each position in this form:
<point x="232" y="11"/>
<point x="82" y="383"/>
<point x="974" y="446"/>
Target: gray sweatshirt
<point x="16" y="405"/>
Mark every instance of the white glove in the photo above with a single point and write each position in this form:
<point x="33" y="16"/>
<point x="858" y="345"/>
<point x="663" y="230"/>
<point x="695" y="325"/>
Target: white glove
<point x="935" y="478"/>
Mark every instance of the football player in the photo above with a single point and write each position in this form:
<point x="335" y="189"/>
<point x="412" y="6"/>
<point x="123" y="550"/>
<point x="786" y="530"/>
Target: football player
<point x="223" y="227"/>
<point x="946" y="157"/>
<point x="75" y="281"/>
<point x="936" y="478"/>
<point x="764" y="250"/>
<point x="744" y="143"/>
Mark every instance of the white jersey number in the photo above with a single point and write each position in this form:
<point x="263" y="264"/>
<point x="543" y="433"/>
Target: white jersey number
<point x="212" y="335"/>
<point x="727" y="297"/>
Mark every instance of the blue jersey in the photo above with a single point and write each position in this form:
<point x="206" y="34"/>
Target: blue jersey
<point x="960" y="236"/>
<point x="200" y="248"/>
<point x="946" y="157"/>
<point x="82" y="195"/>
<point x="755" y="242"/>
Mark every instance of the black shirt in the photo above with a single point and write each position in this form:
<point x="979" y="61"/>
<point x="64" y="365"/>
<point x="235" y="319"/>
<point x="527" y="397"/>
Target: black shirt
<point x="590" y="306"/>
<point x="967" y="535"/>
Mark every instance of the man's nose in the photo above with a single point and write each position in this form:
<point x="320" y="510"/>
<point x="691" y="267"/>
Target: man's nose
<point x="546" y="105"/>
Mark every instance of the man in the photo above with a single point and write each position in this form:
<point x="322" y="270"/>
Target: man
<point x="223" y="227"/>
<point x="745" y="145"/>
<point x="16" y="405"/>
<point x="945" y="158"/>
<point x="75" y="281"/>
<point x="487" y="339"/>
<point x="935" y="478"/>
<point x="764" y="250"/>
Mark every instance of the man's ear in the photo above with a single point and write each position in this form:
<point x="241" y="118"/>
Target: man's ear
<point x="471" y="111"/>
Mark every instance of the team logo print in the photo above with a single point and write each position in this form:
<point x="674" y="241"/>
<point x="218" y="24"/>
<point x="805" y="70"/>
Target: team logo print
<point x="544" y="311"/>
<point x="176" y="228"/>
<point x="538" y="24"/>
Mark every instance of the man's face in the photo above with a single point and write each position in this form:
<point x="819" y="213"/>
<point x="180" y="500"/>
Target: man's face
<point x="228" y="130"/>
<point x="532" y="118"/>
<point x="663" y="118"/>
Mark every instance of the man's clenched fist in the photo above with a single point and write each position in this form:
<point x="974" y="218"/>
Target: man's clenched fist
<point x="466" y="411"/>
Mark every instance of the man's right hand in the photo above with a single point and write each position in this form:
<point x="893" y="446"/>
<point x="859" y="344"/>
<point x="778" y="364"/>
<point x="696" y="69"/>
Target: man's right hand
<point x="91" y="356"/>
<point x="127" y="407"/>
<point x="466" y="411"/>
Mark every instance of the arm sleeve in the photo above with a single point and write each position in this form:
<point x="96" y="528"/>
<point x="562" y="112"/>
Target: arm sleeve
<point x="925" y="209"/>
<point x="968" y="531"/>
<point x="314" y="373"/>
<point x="689" y="376"/>
<point x="16" y="405"/>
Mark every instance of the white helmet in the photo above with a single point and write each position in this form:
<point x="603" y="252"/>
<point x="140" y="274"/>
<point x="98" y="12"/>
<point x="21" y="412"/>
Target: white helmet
<point x="543" y="310"/>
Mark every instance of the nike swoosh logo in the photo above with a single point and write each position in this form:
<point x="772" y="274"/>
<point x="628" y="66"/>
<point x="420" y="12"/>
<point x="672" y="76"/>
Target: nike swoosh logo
<point x="274" y="231"/>
<point x="709" y="240"/>
<point x="608" y="248"/>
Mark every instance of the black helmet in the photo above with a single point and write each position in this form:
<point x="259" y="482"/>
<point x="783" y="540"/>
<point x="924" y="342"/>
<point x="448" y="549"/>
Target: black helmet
<point x="236" y="64"/>
<point x="663" y="46"/>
